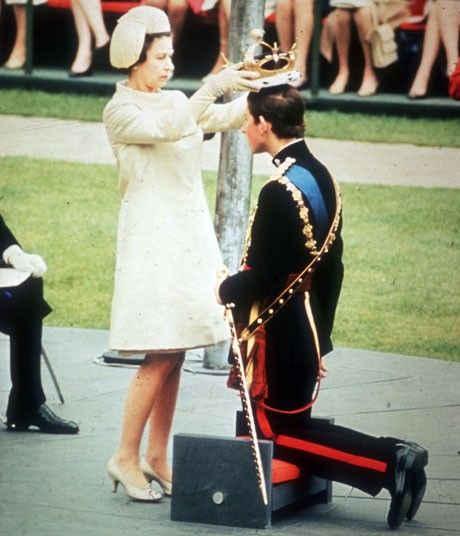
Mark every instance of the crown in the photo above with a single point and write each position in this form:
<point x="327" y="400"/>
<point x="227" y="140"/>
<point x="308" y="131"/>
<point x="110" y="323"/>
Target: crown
<point x="271" y="62"/>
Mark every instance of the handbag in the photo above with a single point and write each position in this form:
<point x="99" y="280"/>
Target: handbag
<point x="383" y="46"/>
<point x="386" y="16"/>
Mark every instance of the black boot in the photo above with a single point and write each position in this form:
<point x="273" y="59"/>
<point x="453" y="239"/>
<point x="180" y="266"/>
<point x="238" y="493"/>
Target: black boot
<point x="44" y="419"/>
<point x="418" y="480"/>
<point x="406" y="491"/>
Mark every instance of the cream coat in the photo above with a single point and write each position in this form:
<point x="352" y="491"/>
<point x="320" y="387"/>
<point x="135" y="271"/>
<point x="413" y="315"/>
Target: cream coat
<point x="167" y="252"/>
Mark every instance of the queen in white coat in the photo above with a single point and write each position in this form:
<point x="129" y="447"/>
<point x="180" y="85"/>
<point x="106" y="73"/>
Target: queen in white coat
<point x="167" y="253"/>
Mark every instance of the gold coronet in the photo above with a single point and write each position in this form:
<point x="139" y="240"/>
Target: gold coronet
<point x="272" y="62"/>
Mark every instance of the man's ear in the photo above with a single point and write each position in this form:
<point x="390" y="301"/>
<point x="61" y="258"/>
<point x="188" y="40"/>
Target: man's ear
<point x="265" y="126"/>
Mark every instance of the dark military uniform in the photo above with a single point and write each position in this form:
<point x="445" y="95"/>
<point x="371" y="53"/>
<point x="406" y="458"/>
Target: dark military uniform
<point x="285" y="235"/>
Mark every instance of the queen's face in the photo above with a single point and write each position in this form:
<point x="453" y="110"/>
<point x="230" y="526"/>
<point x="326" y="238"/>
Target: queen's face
<point x="158" y="68"/>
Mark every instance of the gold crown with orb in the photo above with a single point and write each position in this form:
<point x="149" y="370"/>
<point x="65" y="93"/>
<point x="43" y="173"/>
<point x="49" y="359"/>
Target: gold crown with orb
<point x="275" y="67"/>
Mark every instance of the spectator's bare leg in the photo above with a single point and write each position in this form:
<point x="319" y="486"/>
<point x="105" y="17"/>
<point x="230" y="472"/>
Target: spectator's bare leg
<point x="224" y="22"/>
<point x="363" y="20"/>
<point x="143" y="395"/>
<point x="17" y="56"/>
<point x="448" y="12"/>
<point x="160" y="421"/>
<point x="341" y="21"/>
<point x="84" y="55"/>
<point x="431" y="44"/>
<point x="284" y="23"/>
<point x="303" y="26"/>
<point x="93" y="13"/>
<point x="177" y="11"/>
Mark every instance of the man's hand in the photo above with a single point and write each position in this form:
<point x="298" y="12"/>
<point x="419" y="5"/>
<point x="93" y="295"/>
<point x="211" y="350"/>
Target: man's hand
<point x="222" y="273"/>
<point x="322" y="373"/>
<point x="25" y="262"/>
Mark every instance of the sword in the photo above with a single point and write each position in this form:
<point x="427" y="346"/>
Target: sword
<point x="245" y="398"/>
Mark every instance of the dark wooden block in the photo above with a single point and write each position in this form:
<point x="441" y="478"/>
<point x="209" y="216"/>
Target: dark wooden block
<point x="214" y="481"/>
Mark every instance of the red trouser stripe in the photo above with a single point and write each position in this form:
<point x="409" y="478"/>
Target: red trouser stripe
<point x="327" y="452"/>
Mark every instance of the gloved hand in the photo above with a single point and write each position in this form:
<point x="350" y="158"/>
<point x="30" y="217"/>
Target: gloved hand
<point x="229" y="79"/>
<point x="232" y="79"/>
<point x="25" y="262"/>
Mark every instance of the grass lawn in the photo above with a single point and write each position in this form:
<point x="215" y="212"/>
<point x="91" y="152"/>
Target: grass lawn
<point x="402" y="285"/>
<point x="331" y="124"/>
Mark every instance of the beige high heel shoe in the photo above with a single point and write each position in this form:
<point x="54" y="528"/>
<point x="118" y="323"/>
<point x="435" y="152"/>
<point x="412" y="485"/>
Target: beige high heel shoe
<point x="150" y="474"/>
<point x="146" y="494"/>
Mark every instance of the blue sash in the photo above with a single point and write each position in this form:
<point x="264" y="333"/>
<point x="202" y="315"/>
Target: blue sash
<point x="306" y="183"/>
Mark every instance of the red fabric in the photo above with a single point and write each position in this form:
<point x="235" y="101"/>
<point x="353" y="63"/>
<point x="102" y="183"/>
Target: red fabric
<point x="454" y="82"/>
<point x="333" y="454"/>
<point x="284" y="471"/>
<point x="258" y="388"/>
<point x="113" y="7"/>
<point x="195" y="5"/>
<point x="417" y="9"/>
<point x="281" y="471"/>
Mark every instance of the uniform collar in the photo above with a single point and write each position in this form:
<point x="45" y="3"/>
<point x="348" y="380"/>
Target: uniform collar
<point x="294" y="149"/>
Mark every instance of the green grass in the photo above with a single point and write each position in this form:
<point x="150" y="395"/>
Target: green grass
<point x="331" y="124"/>
<point x="401" y="290"/>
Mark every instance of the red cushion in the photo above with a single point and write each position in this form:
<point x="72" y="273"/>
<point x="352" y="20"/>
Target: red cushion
<point x="281" y="471"/>
<point x="284" y="471"/>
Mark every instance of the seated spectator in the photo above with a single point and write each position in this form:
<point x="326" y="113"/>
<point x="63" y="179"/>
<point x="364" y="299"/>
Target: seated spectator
<point x="358" y="11"/>
<point x="294" y="24"/>
<point x="22" y="309"/>
<point x="176" y="10"/>
<point x="442" y="28"/>
<point x="89" y="24"/>
<point x="17" y="57"/>
<point x="365" y="14"/>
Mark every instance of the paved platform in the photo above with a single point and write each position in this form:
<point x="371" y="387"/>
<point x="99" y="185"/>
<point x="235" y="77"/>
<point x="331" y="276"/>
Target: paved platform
<point x="53" y="485"/>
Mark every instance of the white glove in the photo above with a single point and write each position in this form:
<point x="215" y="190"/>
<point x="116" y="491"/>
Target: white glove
<point x="232" y="79"/>
<point x="229" y="79"/>
<point x="25" y="262"/>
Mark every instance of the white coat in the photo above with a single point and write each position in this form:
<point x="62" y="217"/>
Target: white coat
<point x="167" y="253"/>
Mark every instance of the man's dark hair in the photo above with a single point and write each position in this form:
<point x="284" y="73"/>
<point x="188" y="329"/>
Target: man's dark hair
<point x="282" y="106"/>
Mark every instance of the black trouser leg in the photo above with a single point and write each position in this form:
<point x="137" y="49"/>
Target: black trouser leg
<point x="22" y="309"/>
<point x="26" y="394"/>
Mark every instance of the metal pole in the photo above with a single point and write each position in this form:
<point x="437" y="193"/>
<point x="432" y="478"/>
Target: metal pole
<point x="235" y="166"/>
<point x="29" y="36"/>
<point x="315" y="47"/>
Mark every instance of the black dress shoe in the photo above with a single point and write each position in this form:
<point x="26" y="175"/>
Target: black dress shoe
<point x="101" y="61"/>
<point x="399" y="506"/>
<point x="418" y="487"/>
<point x="88" y="72"/>
<point x="410" y="459"/>
<point x="45" y="420"/>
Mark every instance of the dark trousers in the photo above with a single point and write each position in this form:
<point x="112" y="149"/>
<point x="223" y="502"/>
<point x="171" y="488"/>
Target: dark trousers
<point x="22" y="309"/>
<point x="330" y="451"/>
